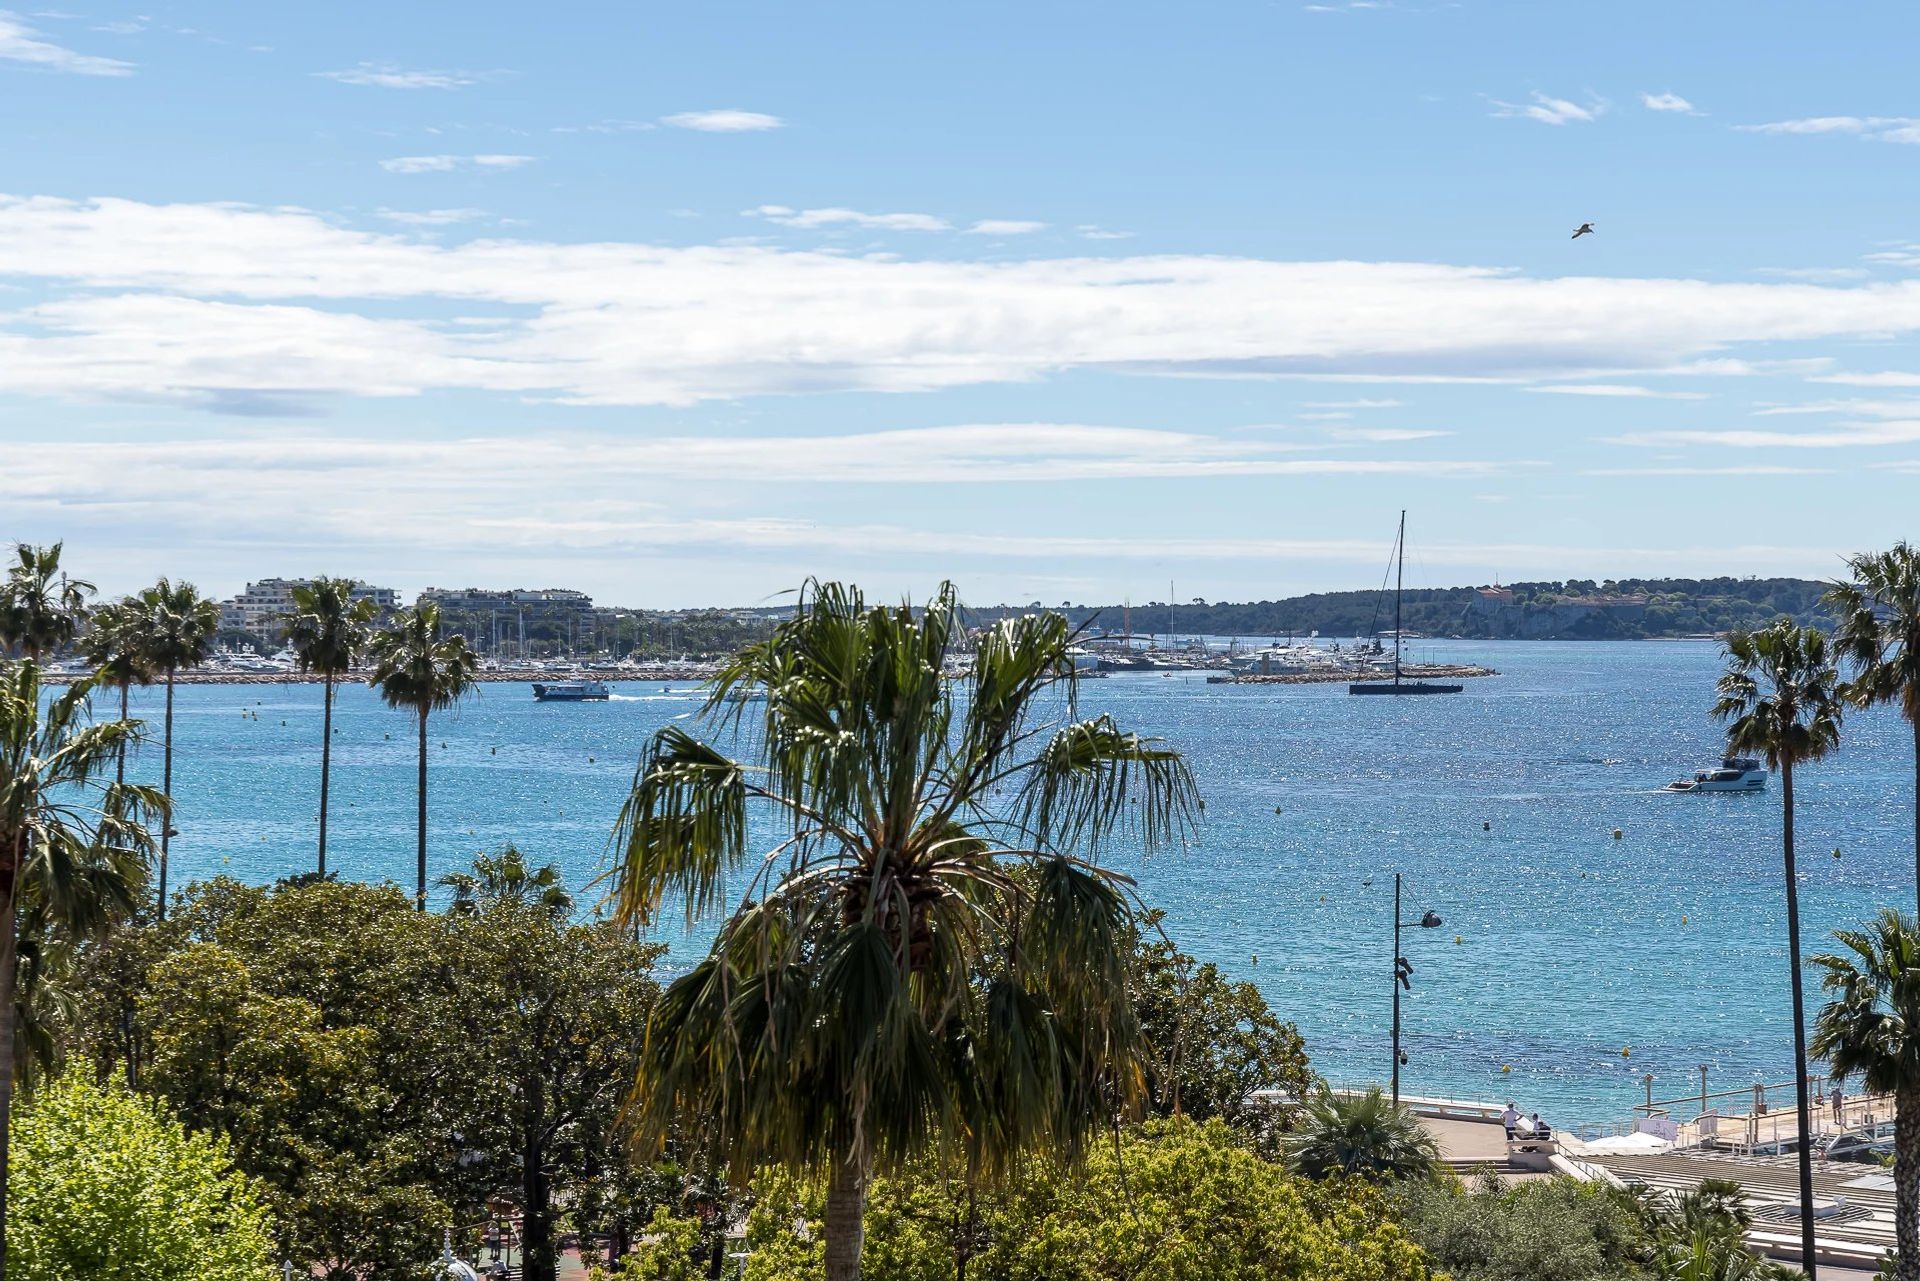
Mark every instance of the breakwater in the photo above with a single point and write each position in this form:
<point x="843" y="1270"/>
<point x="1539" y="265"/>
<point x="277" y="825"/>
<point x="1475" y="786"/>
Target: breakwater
<point x="677" y="675"/>
<point x="1334" y="676"/>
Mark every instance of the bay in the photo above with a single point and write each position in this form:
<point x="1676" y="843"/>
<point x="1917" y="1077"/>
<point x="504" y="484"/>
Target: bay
<point x="1570" y="963"/>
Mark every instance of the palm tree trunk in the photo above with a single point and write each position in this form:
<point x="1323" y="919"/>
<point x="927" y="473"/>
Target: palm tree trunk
<point x="846" y="1216"/>
<point x="1916" y="808"/>
<point x="1807" y="1263"/>
<point x="166" y="788"/>
<point x="9" y="947"/>
<point x="420" y="894"/>
<point x="326" y="764"/>
<point x="1906" y="1184"/>
<point x="120" y="767"/>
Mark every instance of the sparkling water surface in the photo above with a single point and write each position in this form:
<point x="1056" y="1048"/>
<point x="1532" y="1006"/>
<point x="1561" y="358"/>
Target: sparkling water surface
<point x="1561" y="946"/>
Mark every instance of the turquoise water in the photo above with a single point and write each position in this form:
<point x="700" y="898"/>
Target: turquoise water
<point x="1572" y="944"/>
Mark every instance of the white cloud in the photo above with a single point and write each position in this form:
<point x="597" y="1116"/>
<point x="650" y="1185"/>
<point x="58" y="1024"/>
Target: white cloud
<point x="1383" y="435"/>
<point x="812" y="219"/>
<point x="1092" y="231"/>
<point x="21" y="43"/>
<point x="1904" y="129"/>
<point x="385" y="75"/>
<point x="1844" y="436"/>
<point x="726" y="121"/>
<point x="1551" y="111"/>
<point x="1868" y="408"/>
<point x="196" y="302"/>
<point x="1818" y="275"/>
<point x="1623" y="390"/>
<point x="1005" y="227"/>
<point x="1735" y="469"/>
<point x="1889" y="378"/>
<point x="446" y="163"/>
<point x="431" y="217"/>
<point x="1667" y="102"/>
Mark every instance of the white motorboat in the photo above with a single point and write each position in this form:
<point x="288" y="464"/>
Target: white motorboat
<point x="582" y="691"/>
<point x="1732" y="774"/>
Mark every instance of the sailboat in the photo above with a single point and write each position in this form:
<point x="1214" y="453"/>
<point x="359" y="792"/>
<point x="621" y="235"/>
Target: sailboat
<point x="1397" y="685"/>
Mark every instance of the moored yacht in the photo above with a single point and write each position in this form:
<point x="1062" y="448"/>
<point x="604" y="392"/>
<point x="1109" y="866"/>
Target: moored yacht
<point x="1732" y="774"/>
<point x="583" y="691"/>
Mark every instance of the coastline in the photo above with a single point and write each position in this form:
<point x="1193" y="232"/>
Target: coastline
<point x="358" y="678"/>
<point x="1410" y="671"/>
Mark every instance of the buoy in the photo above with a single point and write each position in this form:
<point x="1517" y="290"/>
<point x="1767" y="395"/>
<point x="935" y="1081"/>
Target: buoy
<point x="1485" y="826"/>
<point x="1836" y="851"/>
<point x="1506" y="1067"/>
<point x="589" y="760"/>
<point x="387" y="736"/>
<point x="494" y="752"/>
<point x="1276" y="809"/>
<point x="1203" y="807"/>
<point x="283" y="722"/>
<point x="1456" y="940"/>
<point x="1626" y="1051"/>
<point x="1616" y="833"/>
<point x="1683" y="920"/>
<point x="1256" y="958"/>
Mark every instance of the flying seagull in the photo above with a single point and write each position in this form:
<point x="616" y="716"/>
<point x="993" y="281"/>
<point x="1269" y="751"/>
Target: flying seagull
<point x="1586" y="229"/>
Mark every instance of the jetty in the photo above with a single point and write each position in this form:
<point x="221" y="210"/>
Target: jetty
<point x="1342" y="675"/>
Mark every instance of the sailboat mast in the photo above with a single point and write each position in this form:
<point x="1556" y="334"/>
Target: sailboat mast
<point x="1399" y="576"/>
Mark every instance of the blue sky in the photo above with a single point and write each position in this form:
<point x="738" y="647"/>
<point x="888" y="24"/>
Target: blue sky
<point x="682" y="304"/>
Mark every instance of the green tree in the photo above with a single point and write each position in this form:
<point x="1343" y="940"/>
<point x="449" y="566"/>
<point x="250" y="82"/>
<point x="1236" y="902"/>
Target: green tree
<point x="916" y="957"/>
<point x="417" y="671"/>
<point x="327" y="631"/>
<point x="73" y="850"/>
<point x="40" y="607"/>
<point x="1359" y="1134"/>
<point x="1780" y="698"/>
<point x="1877" y="633"/>
<point x="1870" y="1027"/>
<point x="109" y="1187"/>
<point x="1215" y="1042"/>
<point x="1556" y="1229"/>
<point x="506" y="877"/>
<point x="114" y="644"/>
<point x="177" y="626"/>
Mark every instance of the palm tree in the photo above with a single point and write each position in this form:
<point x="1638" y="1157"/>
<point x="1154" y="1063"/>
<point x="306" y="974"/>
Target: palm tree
<point x="177" y="629"/>
<point x="414" y="669"/>
<point x="327" y="631"/>
<point x="1363" y="1134"/>
<point x="40" y="607"/>
<point x="932" y="949"/>
<point x="506" y="877"/>
<point x="1871" y="1028"/>
<point x="1780" y="698"/>
<point x="114" y="644"/>
<point x="1877" y="632"/>
<point x="73" y="849"/>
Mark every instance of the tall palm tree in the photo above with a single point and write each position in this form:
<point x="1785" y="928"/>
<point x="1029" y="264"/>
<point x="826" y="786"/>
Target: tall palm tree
<point x="73" y="848"/>
<point x="40" y="607"/>
<point x="327" y="631"/>
<point x="932" y="948"/>
<point x="114" y="645"/>
<point x="1871" y="1028"/>
<point x="177" y="629"/>
<point x="416" y="670"/>
<point x="505" y="877"/>
<point x="1366" y="1134"/>
<point x="1877" y="632"/>
<point x="1781" y="700"/>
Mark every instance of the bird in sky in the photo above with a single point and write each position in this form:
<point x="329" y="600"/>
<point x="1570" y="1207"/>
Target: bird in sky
<point x="1586" y="229"/>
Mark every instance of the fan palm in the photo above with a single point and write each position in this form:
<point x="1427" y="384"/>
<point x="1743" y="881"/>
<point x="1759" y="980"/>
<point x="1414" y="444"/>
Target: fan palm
<point x="1364" y="1134"/>
<point x="113" y="644"/>
<point x="73" y="849"/>
<point x="931" y="951"/>
<point x="1780" y="698"/>
<point x="177" y="626"/>
<point x="1870" y="1027"/>
<point x="506" y="877"/>
<point x="40" y="607"/>
<point x="416" y="670"/>
<point x="1877" y="632"/>
<point x="327" y="631"/>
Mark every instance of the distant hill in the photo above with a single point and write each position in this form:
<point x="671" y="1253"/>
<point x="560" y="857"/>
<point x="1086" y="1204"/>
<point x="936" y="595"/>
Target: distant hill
<point x="1577" y="609"/>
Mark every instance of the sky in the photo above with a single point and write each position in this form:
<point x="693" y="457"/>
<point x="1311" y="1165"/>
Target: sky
<point x="683" y="304"/>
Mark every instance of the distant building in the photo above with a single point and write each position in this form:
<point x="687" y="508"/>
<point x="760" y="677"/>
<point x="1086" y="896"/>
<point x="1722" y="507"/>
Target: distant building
<point x="262" y="609"/>
<point x="484" y="598"/>
<point x="515" y="620"/>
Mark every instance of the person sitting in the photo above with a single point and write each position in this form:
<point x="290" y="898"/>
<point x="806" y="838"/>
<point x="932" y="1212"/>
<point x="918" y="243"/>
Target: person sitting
<point x="1541" y="1130"/>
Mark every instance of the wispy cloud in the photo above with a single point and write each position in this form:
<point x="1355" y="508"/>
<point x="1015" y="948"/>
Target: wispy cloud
<point x="610" y="126"/>
<point x="385" y="75"/>
<point x="1734" y="469"/>
<point x="21" y="43"/>
<point x="1092" y="231"/>
<point x="1886" y="378"/>
<point x="1005" y="227"/>
<point x="1843" y="436"/>
<point x="431" y="217"/>
<point x="446" y="163"/>
<point x="1551" y="111"/>
<point x="1672" y="102"/>
<point x="729" y="120"/>
<point x="1622" y="390"/>
<point x="1905" y="129"/>
<point x="812" y="219"/>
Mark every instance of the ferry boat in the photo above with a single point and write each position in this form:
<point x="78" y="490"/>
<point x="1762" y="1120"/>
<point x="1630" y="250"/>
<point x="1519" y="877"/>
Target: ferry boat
<point x="584" y="691"/>
<point x="1732" y="774"/>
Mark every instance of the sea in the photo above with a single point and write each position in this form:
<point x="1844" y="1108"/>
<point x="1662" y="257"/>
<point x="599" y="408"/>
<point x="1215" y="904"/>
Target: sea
<point x="1594" y="929"/>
